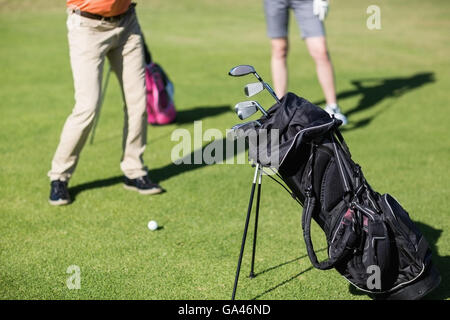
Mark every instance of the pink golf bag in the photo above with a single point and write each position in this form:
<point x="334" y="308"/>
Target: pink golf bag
<point x="160" y="104"/>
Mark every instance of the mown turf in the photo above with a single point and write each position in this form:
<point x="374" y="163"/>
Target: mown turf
<point x="392" y="83"/>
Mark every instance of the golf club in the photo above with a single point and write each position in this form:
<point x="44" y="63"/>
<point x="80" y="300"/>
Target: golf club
<point x="253" y="88"/>
<point x="247" y="108"/>
<point x="244" y="110"/>
<point x="245" y="69"/>
<point x="238" y="126"/>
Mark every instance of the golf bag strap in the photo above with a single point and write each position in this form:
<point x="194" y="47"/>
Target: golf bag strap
<point x="306" y="224"/>
<point x="147" y="55"/>
<point x="342" y="141"/>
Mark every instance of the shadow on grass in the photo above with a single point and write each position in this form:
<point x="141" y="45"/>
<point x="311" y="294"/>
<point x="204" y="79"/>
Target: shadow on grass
<point x="166" y="172"/>
<point x="103" y="183"/>
<point x="183" y="117"/>
<point x="375" y="90"/>
<point x="442" y="263"/>
<point x="198" y="113"/>
<point x="287" y="280"/>
<point x="282" y="283"/>
<point x="170" y="170"/>
<point x="188" y="162"/>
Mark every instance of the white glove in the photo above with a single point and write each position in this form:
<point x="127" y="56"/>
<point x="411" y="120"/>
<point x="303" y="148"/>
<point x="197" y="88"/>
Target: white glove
<point x="320" y="8"/>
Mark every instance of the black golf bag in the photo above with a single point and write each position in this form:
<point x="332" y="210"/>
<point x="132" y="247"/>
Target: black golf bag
<point x="371" y="239"/>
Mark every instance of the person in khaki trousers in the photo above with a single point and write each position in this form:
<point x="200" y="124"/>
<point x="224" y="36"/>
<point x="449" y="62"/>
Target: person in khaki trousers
<point x="98" y="29"/>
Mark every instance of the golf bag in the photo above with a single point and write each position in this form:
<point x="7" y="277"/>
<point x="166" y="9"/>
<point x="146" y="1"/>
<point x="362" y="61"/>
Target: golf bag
<point x="160" y="91"/>
<point x="371" y="239"/>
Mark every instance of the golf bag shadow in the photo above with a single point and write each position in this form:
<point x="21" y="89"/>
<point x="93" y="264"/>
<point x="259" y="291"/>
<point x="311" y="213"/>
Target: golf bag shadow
<point x="371" y="239"/>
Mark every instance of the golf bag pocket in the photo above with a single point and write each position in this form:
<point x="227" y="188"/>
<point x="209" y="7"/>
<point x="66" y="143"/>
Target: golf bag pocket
<point x="413" y="250"/>
<point x="377" y="245"/>
<point x="344" y="238"/>
<point x="399" y="219"/>
<point x="331" y="191"/>
<point x="360" y="246"/>
<point x="377" y="255"/>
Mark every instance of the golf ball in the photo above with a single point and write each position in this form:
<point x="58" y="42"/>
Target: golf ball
<point x="152" y="225"/>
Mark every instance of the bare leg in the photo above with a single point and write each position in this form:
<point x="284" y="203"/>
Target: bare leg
<point x="317" y="48"/>
<point x="278" y="62"/>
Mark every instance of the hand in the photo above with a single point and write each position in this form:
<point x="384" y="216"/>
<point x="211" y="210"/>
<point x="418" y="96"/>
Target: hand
<point x="320" y="8"/>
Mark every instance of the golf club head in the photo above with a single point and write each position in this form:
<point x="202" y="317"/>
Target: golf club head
<point x="244" y="69"/>
<point x="245" y="109"/>
<point x="238" y="130"/>
<point x="253" y="88"/>
<point x="241" y="70"/>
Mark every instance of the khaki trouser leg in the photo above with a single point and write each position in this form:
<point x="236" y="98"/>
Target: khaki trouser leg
<point x="127" y="60"/>
<point x="89" y="42"/>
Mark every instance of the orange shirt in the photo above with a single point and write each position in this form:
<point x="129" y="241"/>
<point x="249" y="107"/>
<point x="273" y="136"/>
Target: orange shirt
<point x="106" y="8"/>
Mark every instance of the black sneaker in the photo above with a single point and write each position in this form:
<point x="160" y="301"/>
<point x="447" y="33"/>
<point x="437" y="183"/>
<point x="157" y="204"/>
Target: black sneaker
<point x="143" y="185"/>
<point x="59" y="194"/>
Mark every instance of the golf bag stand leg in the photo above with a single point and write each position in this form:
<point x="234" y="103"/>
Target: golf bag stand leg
<point x="258" y="200"/>
<point x="244" y="236"/>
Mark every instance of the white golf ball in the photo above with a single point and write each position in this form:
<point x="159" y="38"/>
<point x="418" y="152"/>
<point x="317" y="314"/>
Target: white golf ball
<point x="152" y="225"/>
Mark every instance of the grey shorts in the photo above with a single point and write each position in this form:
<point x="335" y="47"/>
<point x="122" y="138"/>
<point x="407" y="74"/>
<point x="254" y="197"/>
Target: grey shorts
<point x="277" y="18"/>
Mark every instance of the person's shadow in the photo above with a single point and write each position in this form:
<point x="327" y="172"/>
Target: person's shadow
<point x="201" y="112"/>
<point x="442" y="264"/>
<point x="163" y="173"/>
<point x="375" y="90"/>
<point x="184" y="164"/>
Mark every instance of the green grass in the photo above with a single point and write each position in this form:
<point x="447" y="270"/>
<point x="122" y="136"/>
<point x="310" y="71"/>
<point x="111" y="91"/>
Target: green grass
<point x="398" y="132"/>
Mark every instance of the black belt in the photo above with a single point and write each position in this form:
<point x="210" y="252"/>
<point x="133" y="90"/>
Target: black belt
<point x="100" y="17"/>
